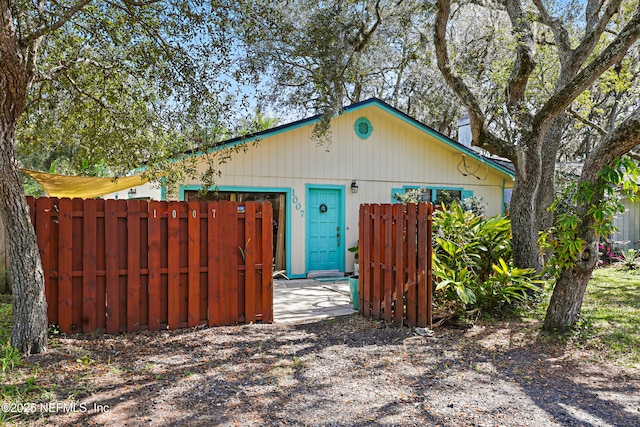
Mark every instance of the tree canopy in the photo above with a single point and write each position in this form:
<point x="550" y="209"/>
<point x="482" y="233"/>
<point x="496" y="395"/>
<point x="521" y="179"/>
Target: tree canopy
<point x="121" y="84"/>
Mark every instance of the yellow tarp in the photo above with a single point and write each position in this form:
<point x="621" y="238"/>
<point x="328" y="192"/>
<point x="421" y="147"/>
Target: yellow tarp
<point x="84" y="187"/>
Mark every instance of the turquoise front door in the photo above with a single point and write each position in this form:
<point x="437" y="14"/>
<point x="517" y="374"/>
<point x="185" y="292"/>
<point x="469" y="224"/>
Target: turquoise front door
<point x="325" y="236"/>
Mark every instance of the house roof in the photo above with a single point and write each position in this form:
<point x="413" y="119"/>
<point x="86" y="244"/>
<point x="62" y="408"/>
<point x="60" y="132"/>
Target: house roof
<point x="500" y="165"/>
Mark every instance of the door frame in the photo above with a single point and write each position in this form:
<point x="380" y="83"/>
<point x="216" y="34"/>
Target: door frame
<point x="247" y="189"/>
<point x="341" y="221"/>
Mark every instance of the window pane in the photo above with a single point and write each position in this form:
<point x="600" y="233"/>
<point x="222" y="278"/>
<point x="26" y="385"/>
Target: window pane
<point x="421" y="194"/>
<point x="448" y="196"/>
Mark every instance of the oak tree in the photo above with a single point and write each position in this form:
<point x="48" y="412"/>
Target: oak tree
<point x="526" y="124"/>
<point x="122" y="83"/>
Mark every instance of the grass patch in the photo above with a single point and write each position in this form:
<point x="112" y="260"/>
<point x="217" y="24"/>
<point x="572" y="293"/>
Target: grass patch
<point x="611" y="313"/>
<point x="6" y="318"/>
<point x="20" y="381"/>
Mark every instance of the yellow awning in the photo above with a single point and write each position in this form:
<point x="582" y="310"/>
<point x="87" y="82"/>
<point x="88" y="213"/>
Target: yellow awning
<point x="85" y="187"/>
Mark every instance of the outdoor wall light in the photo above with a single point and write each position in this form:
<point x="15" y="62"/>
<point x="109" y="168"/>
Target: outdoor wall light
<point x="354" y="186"/>
<point x="132" y="193"/>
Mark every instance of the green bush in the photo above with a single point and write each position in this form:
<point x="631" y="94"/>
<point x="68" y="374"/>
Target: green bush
<point x="473" y="264"/>
<point x="628" y="258"/>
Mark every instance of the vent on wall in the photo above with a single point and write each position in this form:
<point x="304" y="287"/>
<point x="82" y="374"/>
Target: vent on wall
<point x="363" y="128"/>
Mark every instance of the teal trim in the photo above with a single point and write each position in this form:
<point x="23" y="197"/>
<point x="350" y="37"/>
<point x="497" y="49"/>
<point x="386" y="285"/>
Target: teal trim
<point x="341" y="250"/>
<point x="163" y="190"/>
<point x="394" y="191"/>
<point x="466" y="194"/>
<point x="287" y="191"/>
<point x="363" y="128"/>
<point x="504" y="183"/>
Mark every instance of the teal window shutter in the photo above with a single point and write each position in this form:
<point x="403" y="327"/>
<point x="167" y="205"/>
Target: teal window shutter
<point x="466" y="194"/>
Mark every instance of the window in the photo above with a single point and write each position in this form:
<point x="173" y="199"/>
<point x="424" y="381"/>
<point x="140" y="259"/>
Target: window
<point x="425" y="195"/>
<point x="435" y="195"/>
<point x="447" y="196"/>
<point x="363" y="128"/>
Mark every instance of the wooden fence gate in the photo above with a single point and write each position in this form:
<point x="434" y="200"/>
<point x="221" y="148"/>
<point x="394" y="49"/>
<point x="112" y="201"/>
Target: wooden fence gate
<point x="395" y="282"/>
<point x="125" y="265"/>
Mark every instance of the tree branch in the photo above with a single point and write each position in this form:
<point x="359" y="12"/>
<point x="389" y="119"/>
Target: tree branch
<point x="481" y="135"/>
<point x="87" y="94"/>
<point x="612" y="54"/>
<point x="594" y="30"/>
<point x="624" y="138"/>
<point x="560" y="33"/>
<point x="587" y="122"/>
<point x="62" y="19"/>
<point x="525" y="51"/>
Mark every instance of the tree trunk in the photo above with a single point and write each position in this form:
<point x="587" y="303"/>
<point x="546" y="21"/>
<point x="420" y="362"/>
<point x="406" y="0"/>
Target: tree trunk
<point x="566" y="302"/>
<point x="29" y="304"/>
<point x="526" y="253"/>
<point x="546" y="191"/>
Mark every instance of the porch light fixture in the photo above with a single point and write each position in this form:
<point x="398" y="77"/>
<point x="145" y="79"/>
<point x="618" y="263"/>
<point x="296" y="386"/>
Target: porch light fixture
<point x="132" y="193"/>
<point x="354" y="186"/>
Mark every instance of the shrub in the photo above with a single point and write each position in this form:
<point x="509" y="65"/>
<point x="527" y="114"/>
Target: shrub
<point x="607" y="254"/>
<point x="628" y="258"/>
<point x="473" y="263"/>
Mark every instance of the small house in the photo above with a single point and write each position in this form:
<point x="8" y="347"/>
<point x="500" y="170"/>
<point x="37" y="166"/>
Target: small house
<point x="371" y="152"/>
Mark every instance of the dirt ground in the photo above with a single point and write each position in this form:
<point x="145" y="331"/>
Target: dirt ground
<point x="344" y="371"/>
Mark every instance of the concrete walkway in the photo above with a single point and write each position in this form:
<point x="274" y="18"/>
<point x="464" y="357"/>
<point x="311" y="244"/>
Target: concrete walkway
<point x="309" y="299"/>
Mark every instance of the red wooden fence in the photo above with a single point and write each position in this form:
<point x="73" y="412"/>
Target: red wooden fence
<point x="395" y="282"/>
<point x="125" y="265"/>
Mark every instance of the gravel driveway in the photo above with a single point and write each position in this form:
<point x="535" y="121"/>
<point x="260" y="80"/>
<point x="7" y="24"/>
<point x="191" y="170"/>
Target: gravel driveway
<point x="343" y="371"/>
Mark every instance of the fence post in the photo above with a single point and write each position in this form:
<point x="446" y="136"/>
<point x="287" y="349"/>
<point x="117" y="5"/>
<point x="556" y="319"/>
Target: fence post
<point x="412" y="280"/>
<point x="267" y="263"/>
<point x="422" y="264"/>
<point x="399" y="261"/>
<point x="213" y="264"/>
<point x="430" y="266"/>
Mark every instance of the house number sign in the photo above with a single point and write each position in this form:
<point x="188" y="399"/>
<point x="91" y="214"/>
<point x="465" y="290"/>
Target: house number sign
<point x="296" y="203"/>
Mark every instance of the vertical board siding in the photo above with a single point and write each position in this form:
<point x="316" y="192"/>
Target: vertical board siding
<point x="193" y="301"/>
<point x="133" y="265"/>
<point x="249" y="257"/>
<point x="122" y="266"/>
<point x="395" y="263"/>
<point x="155" y="264"/>
<point x="89" y="273"/>
<point x="266" y="260"/>
<point x="65" y="266"/>
<point x="173" y="266"/>
<point x="111" y="262"/>
<point x="213" y="264"/>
